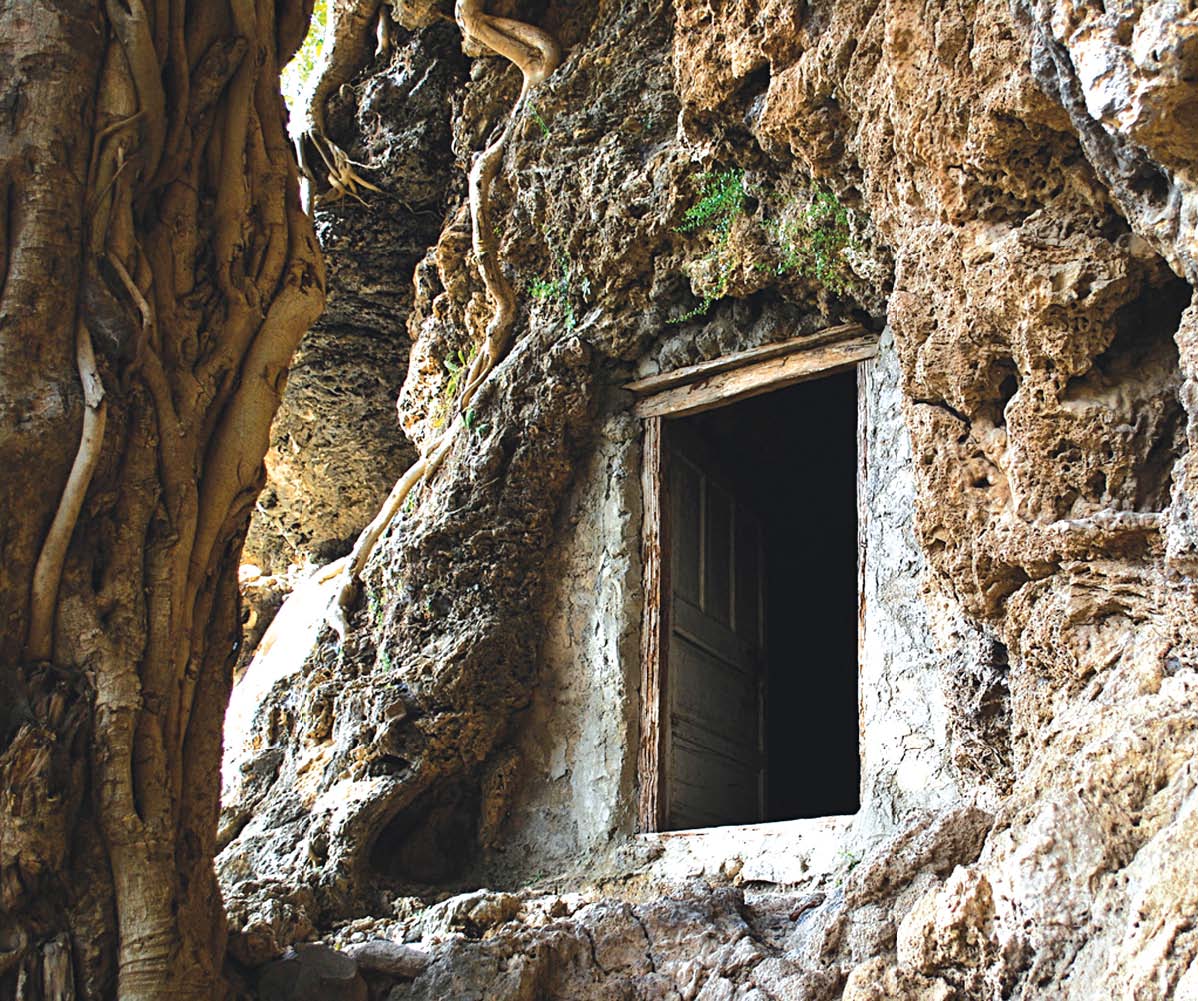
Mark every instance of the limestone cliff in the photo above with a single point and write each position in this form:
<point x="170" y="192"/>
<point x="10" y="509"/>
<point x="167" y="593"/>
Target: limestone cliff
<point x="1018" y="182"/>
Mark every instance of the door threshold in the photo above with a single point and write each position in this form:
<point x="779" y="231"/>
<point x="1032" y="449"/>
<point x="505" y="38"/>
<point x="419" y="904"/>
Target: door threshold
<point x="783" y="851"/>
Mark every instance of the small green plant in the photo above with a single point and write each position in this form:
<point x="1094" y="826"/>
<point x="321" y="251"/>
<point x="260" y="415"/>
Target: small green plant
<point x="544" y="289"/>
<point x="723" y="199"/>
<point x="536" y="117"/>
<point x="811" y="243"/>
<point x="458" y="365"/>
<point x="814" y="245"/>
<point x="850" y="860"/>
<point x="473" y="424"/>
<point x="557" y="291"/>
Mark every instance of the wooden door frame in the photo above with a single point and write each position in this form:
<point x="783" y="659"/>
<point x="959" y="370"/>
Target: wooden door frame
<point x="680" y="393"/>
<point x="655" y="630"/>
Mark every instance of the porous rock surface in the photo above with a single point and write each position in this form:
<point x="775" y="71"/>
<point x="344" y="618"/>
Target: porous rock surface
<point x="335" y="447"/>
<point x="1021" y="180"/>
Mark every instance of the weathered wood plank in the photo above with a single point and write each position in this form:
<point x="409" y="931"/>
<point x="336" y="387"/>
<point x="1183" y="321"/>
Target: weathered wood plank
<point x="655" y="630"/>
<point x="755" y="379"/>
<point x="717" y="551"/>
<point x="747" y="583"/>
<point x="709" y="788"/>
<point x="692" y="373"/>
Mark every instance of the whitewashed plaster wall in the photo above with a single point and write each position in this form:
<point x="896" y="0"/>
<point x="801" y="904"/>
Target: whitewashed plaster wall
<point x="577" y="744"/>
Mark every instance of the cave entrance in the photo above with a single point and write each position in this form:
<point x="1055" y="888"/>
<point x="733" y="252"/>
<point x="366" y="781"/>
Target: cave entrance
<point x="752" y="582"/>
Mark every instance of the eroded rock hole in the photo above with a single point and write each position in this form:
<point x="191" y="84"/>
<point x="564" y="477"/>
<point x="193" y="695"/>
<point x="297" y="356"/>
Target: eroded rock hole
<point x="1129" y="395"/>
<point x="433" y="839"/>
<point x="1145" y="329"/>
<point x="1002" y="378"/>
<point x="981" y="721"/>
<point x="751" y="93"/>
<point x="1150" y="182"/>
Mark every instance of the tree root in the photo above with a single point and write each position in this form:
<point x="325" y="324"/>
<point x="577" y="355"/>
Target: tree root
<point x="349" y="32"/>
<point x="342" y="178"/>
<point x="48" y="572"/>
<point x="537" y="54"/>
<point x="184" y="212"/>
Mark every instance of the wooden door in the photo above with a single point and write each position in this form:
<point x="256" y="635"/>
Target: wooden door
<point x="714" y="743"/>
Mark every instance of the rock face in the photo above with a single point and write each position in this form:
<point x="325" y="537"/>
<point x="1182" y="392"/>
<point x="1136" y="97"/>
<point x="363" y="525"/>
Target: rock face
<point x="336" y="447"/>
<point x="1018" y="179"/>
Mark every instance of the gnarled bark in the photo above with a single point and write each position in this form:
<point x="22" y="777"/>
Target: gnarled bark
<point x="157" y="272"/>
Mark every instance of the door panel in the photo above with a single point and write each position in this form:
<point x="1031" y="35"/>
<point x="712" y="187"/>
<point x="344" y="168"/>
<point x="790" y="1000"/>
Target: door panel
<point x="702" y="630"/>
<point x="748" y="618"/>
<point x="715" y="764"/>
<point x="686" y="494"/>
<point x="717" y="553"/>
<point x="718" y="695"/>
<point x="707" y="789"/>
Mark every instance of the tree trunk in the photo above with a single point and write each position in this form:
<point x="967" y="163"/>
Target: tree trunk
<point x="156" y="273"/>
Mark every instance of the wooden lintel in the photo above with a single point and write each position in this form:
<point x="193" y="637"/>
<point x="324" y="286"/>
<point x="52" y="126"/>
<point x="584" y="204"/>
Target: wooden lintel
<point x="725" y="363"/>
<point x="758" y="377"/>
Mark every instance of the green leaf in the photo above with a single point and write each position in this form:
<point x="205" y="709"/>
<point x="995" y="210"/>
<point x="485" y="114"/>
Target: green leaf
<point x="536" y="117"/>
<point x="722" y="200"/>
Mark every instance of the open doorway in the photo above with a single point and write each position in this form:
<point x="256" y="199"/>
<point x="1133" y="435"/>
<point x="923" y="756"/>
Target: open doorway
<point x="756" y="695"/>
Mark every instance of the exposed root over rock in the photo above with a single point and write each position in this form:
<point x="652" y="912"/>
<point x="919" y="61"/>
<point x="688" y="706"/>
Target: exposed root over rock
<point x="537" y="54"/>
<point x="348" y="34"/>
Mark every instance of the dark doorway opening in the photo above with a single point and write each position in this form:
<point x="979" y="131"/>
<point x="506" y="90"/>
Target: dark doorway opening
<point x="762" y="677"/>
